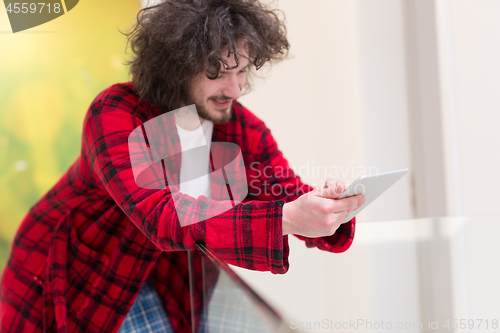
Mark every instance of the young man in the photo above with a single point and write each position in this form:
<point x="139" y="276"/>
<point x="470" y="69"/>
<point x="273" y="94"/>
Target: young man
<point x="103" y="239"/>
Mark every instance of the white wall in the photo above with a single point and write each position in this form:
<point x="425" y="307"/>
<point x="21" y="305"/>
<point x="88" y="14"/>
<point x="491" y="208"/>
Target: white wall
<point x="384" y="116"/>
<point x="475" y="73"/>
<point x="469" y="52"/>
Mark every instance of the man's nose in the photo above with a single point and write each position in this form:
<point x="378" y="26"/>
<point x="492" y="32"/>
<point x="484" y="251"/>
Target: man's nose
<point x="232" y="87"/>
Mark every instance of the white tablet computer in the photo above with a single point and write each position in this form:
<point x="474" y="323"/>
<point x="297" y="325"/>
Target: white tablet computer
<point x="372" y="186"/>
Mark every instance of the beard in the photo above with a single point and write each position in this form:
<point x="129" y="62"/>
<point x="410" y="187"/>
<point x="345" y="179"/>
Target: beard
<point x="217" y="116"/>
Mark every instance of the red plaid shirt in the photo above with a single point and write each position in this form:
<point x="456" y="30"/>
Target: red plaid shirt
<point x="83" y="251"/>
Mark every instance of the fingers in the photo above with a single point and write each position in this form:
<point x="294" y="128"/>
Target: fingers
<point x="330" y="182"/>
<point x="332" y="189"/>
<point x="349" y="204"/>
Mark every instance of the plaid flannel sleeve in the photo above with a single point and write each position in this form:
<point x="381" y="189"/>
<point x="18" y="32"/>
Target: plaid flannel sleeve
<point x="280" y="182"/>
<point x="249" y="235"/>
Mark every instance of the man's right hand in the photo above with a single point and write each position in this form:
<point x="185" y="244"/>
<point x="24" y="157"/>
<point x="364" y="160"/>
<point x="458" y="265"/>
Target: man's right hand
<point x="316" y="214"/>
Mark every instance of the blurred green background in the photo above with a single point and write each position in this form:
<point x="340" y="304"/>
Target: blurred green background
<point x="49" y="75"/>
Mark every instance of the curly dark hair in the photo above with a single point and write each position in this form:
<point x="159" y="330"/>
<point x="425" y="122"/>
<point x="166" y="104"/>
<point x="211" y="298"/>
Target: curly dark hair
<point x="175" y="40"/>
